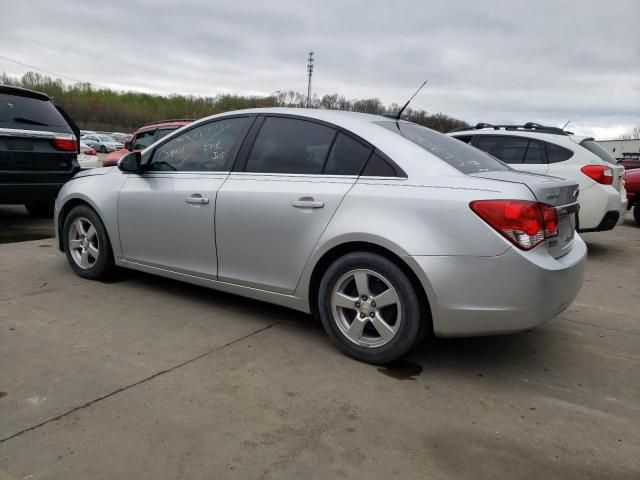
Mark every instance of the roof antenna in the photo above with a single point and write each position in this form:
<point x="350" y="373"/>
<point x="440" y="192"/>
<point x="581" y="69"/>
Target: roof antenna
<point x="397" y="115"/>
<point x="565" y="125"/>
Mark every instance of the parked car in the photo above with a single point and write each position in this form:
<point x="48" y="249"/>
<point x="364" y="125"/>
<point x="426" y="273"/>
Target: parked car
<point x="38" y="149"/>
<point x="121" y="137"/>
<point x="553" y="151"/>
<point x="145" y="136"/>
<point x="629" y="163"/>
<point x="632" y="185"/>
<point x="102" y="142"/>
<point x="383" y="229"/>
<point x="88" y="157"/>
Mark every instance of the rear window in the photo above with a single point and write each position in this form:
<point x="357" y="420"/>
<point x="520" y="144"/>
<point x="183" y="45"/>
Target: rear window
<point x="596" y="149"/>
<point x="458" y="154"/>
<point x="28" y="113"/>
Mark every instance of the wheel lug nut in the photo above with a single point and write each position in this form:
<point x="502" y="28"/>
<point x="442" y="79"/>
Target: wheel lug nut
<point x="362" y="315"/>
<point x="357" y="304"/>
<point x="373" y="304"/>
<point x="364" y="298"/>
<point x="372" y="314"/>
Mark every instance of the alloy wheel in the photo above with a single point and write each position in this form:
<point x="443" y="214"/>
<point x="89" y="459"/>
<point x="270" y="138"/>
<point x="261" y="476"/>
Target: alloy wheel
<point x="366" y="308"/>
<point x="83" y="243"/>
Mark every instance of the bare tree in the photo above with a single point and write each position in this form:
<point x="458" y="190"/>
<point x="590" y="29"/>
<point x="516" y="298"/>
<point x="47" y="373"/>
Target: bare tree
<point x="633" y="134"/>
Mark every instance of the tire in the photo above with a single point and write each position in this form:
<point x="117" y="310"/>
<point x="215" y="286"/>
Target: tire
<point x="103" y="149"/>
<point x="42" y="209"/>
<point x="91" y="255"/>
<point x="636" y="214"/>
<point x="348" y="293"/>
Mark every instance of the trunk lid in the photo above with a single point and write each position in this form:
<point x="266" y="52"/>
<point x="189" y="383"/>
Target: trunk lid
<point x="557" y="192"/>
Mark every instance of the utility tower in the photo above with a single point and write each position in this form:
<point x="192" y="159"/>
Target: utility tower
<point x="310" y="74"/>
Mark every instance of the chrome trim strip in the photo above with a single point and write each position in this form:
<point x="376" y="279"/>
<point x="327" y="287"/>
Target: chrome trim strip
<point x="16" y="132"/>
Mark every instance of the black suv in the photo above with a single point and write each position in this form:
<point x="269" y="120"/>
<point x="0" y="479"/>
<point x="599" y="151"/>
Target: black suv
<point x="39" y="144"/>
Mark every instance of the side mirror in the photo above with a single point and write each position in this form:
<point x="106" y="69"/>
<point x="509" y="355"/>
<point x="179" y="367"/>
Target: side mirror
<point x="131" y="163"/>
<point x="127" y="145"/>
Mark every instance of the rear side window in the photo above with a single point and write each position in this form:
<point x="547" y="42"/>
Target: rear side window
<point x="508" y="149"/>
<point x="286" y="145"/>
<point x="535" y="153"/>
<point x="597" y="150"/>
<point x="29" y="113"/>
<point x="556" y="153"/>
<point x="347" y="156"/>
<point x="464" y="138"/>
<point x="379" y="167"/>
<point x="459" y="155"/>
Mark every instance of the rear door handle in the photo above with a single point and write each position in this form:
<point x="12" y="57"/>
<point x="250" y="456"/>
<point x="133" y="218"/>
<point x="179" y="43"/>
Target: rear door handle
<point x="197" y="199"/>
<point x="307" y="202"/>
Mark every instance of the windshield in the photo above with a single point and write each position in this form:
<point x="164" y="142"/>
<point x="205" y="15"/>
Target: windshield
<point x="20" y="111"/>
<point x="458" y="154"/>
<point x="596" y="149"/>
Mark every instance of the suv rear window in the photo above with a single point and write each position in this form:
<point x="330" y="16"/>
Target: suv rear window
<point x="28" y="113"/>
<point x="458" y="154"/>
<point x="596" y="149"/>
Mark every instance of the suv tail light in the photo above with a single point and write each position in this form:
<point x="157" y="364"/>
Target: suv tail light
<point x="526" y="224"/>
<point x="67" y="143"/>
<point x="600" y="173"/>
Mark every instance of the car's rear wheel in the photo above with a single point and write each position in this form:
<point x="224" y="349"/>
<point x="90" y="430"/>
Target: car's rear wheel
<point x="103" y="149"/>
<point x="86" y="243"/>
<point x="636" y="214"/>
<point x="369" y="308"/>
<point x="42" y="209"/>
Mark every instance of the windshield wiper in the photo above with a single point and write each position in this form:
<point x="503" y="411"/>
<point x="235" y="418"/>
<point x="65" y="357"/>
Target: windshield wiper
<point x="29" y="121"/>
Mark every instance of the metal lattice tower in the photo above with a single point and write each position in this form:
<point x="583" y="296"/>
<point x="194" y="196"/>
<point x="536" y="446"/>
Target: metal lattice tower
<point x="310" y="74"/>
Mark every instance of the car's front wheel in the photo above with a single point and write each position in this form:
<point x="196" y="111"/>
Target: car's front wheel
<point x="86" y="243"/>
<point x="103" y="149"/>
<point x="369" y="308"/>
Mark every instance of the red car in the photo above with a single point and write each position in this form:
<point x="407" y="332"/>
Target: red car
<point x="632" y="185"/>
<point x="630" y="163"/>
<point x="145" y="136"/>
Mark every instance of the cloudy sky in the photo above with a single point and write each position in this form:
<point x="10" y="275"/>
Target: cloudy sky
<point x="489" y="60"/>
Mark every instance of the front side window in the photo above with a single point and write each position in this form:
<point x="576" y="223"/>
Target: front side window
<point x="508" y="149"/>
<point x="211" y="147"/>
<point x="286" y="145"/>
<point x="459" y="155"/>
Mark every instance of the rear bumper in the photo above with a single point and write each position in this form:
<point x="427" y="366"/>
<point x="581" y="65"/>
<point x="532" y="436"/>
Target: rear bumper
<point x="512" y="292"/>
<point x="598" y="205"/>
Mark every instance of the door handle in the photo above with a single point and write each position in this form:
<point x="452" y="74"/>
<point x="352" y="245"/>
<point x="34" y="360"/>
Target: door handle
<point x="197" y="199"/>
<point x="307" y="202"/>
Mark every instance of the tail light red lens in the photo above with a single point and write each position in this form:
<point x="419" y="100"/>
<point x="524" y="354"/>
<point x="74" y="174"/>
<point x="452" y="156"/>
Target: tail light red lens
<point x="90" y="152"/>
<point x="600" y="173"/>
<point x="526" y="224"/>
<point x="69" y="144"/>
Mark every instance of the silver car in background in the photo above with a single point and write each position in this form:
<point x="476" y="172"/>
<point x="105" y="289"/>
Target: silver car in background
<point x="383" y="229"/>
<point x="102" y="143"/>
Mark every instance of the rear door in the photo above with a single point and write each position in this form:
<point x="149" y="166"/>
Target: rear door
<point x="271" y="213"/>
<point x="166" y="214"/>
<point x="521" y="153"/>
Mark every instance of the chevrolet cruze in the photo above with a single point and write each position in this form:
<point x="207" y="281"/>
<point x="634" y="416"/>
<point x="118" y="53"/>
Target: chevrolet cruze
<point x="383" y="229"/>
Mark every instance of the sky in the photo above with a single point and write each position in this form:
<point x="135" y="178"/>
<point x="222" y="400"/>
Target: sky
<point x="486" y="61"/>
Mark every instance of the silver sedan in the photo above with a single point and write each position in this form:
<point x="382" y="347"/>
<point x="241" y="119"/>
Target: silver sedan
<point x="384" y="230"/>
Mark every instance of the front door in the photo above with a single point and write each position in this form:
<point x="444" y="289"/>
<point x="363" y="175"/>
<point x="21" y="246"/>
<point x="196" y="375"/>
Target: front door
<point x="166" y="214"/>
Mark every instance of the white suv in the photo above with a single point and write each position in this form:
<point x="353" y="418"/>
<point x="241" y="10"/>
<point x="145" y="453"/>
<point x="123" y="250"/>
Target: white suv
<point x="553" y="151"/>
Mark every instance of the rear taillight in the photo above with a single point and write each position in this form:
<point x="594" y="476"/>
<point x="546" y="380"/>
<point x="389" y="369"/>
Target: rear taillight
<point x="600" y="173"/>
<point x="526" y="224"/>
<point x="67" y="143"/>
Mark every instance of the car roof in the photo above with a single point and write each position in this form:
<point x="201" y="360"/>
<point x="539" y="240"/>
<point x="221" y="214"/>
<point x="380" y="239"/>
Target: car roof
<point x="410" y="156"/>
<point x="23" y="92"/>
<point x="163" y="124"/>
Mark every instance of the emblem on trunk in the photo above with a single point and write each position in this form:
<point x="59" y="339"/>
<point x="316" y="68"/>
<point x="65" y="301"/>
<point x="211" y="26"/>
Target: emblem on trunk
<point x="551" y="196"/>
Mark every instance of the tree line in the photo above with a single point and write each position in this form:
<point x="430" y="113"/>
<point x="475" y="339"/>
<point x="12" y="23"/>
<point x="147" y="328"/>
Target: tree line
<point x="104" y="109"/>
